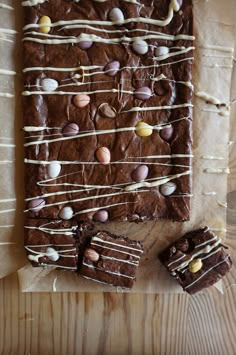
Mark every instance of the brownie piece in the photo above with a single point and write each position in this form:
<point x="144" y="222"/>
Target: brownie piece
<point x="112" y="260"/>
<point x="197" y="260"/>
<point x="92" y="82"/>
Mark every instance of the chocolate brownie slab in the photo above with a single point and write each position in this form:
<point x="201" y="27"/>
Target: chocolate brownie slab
<point x="197" y="260"/>
<point x="111" y="259"/>
<point x="107" y="107"/>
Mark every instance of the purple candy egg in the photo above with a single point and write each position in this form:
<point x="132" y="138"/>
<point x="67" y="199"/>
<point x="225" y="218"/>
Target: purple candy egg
<point x="85" y="44"/>
<point x="101" y="216"/>
<point x="167" y="133"/>
<point x="112" y="68"/>
<point x="140" y="173"/>
<point x="36" y="205"/>
<point x="71" y="129"/>
<point x="143" y="93"/>
<point x="116" y="15"/>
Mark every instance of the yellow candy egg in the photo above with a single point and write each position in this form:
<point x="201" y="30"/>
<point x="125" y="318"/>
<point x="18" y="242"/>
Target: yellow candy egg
<point x="46" y="22"/>
<point x="143" y="129"/>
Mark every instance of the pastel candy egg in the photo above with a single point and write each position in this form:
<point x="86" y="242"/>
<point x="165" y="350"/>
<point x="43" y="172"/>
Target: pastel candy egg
<point x="52" y="254"/>
<point x="140" y="173"/>
<point x="36" y="205"/>
<point x="116" y="15"/>
<point x="54" y="169"/>
<point x="45" y="23"/>
<point x="107" y="111"/>
<point x="167" y="133"/>
<point x="159" y="51"/>
<point x="143" y="129"/>
<point x="112" y="68"/>
<point x="66" y="213"/>
<point x="85" y="44"/>
<point x="91" y="254"/>
<point x="101" y="216"/>
<point x="140" y="47"/>
<point x="168" y="188"/>
<point x="71" y="129"/>
<point x="180" y="3"/>
<point x="81" y="100"/>
<point x="143" y="93"/>
<point x="103" y="155"/>
<point x="49" y="84"/>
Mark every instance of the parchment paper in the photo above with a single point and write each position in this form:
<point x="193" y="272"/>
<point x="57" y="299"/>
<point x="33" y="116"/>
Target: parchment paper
<point x="214" y="25"/>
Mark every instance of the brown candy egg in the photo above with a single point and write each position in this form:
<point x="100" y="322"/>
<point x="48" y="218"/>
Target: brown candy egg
<point x="103" y="155"/>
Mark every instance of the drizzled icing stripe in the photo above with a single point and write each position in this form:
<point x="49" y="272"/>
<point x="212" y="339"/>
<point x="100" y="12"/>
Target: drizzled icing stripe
<point x="218" y="48"/>
<point x="174" y="6"/>
<point x="217" y="170"/>
<point x="83" y="199"/>
<point x="155" y="108"/>
<point x="208" y="98"/>
<point x="66" y="231"/>
<point x="95" y="133"/>
<point x="116" y="250"/>
<point x="56" y="266"/>
<point x="100" y="207"/>
<point x="8" y="31"/>
<point x="97" y="239"/>
<point x="135" y="263"/>
<point x="7" y="72"/>
<point x="49" y="245"/>
<point x="7" y="7"/>
<point x="107" y="271"/>
<point x="206" y="272"/>
<point x="6" y="95"/>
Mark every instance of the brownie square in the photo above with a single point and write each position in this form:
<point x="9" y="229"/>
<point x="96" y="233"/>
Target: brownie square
<point x="111" y="260"/>
<point x="197" y="260"/>
<point x="126" y="83"/>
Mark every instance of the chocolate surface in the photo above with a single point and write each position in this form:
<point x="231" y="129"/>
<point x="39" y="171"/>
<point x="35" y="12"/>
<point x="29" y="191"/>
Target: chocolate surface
<point x="111" y="259"/>
<point x="116" y="74"/>
<point x="197" y="260"/>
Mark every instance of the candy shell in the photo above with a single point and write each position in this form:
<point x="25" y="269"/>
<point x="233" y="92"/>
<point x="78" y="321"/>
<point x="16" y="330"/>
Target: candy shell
<point x="66" y="213"/>
<point x="140" y="47"/>
<point x="85" y="44"/>
<point x="54" y="169"/>
<point x="81" y="100"/>
<point x="143" y="93"/>
<point x="36" y="205"/>
<point x="159" y="51"/>
<point x="49" y="84"/>
<point x="112" y="68"/>
<point x="91" y="254"/>
<point x="143" y="129"/>
<point x="101" y="216"/>
<point x="103" y="155"/>
<point x="71" y="129"/>
<point x="167" y="133"/>
<point x="52" y="254"/>
<point x="140" y="173"/>
<point x="46" y="22"/>
<point x="116" y="15"/>
<point x="107" y="111"/>
<point x="168" y="188"/>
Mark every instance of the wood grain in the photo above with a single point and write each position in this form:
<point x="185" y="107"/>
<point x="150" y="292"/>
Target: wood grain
<point x="113" y="324"/>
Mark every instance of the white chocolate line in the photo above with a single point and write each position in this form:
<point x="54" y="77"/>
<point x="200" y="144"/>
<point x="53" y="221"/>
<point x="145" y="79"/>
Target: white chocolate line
<point x="3" y="162"/>
<point x="7" y="200"/>
<point x="97" y="239"/>
<point x="7" y="226"/>
<point x="56" y="266"/>
<point x="101" y="282"/>
<point x="66" y="231"/>
<point x="8" y="31"/>
<point x="54" y="289"/>
<point x="7" y="211"/>
<point x="174" y="6"/>
<point x="7" y="72"/>
<point x="217" y="170"/>
<point x="95" y="133"/>
<point x="32" y="2"/>
<point x="156" y="108"/>
<point x="213" y="267"/>
<point x="218" y="48"/>
<point x="6" y="95"/>
<point x="49" y="245"/>
<point x="219" y="112"/>
<point x="210" y="193"/>
<point x="224" y="230"/>
<point x="135" y="263"/>
<point x="207" y="241"/>
<point x="7" y="7"/>
<point x="116" y="250"/>
<point x="100" y="207"/>
<point x="155" y="183"/>
<point x="222" y="204"/>
<point x="83" y="199"/>
<point x="172" y="54"/>
<point x="208" y="98"/>
<point x="6" y="39"/>
<point x="107" y="271"/>
<point x="211" y="157"/>
<point x="6" y="243"/>
<point x="7" y="145"/>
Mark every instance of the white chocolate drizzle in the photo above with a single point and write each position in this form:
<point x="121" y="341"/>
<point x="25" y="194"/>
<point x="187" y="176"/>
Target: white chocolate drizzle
<point x="54" y="289"/>
<point x="212" y="157"/>
<point x="218" y="48"/>
<point x="208" y="98"/>
<point x="97" y="239"/>
<point x="174" y="6"/>
<point x="7" y="72"/>
<point x="211" y="268"/>
<point x="108" y="271"/>
<point x="6" y="7"/>
<point x="217" y="170"/>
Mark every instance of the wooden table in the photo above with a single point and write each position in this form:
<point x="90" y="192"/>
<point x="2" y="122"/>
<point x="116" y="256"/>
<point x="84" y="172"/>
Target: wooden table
<point x="86" y="323"/>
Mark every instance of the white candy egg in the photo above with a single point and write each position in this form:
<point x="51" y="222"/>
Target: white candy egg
<point x="49" y="84"/>
<point x="52" y="254"/>
<point x="140" y="47"/>
<point x="168" y="188"/>
<point x="54" y="169"/>
<point x="66" y="213"/>
<point x="116" y="15"/>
